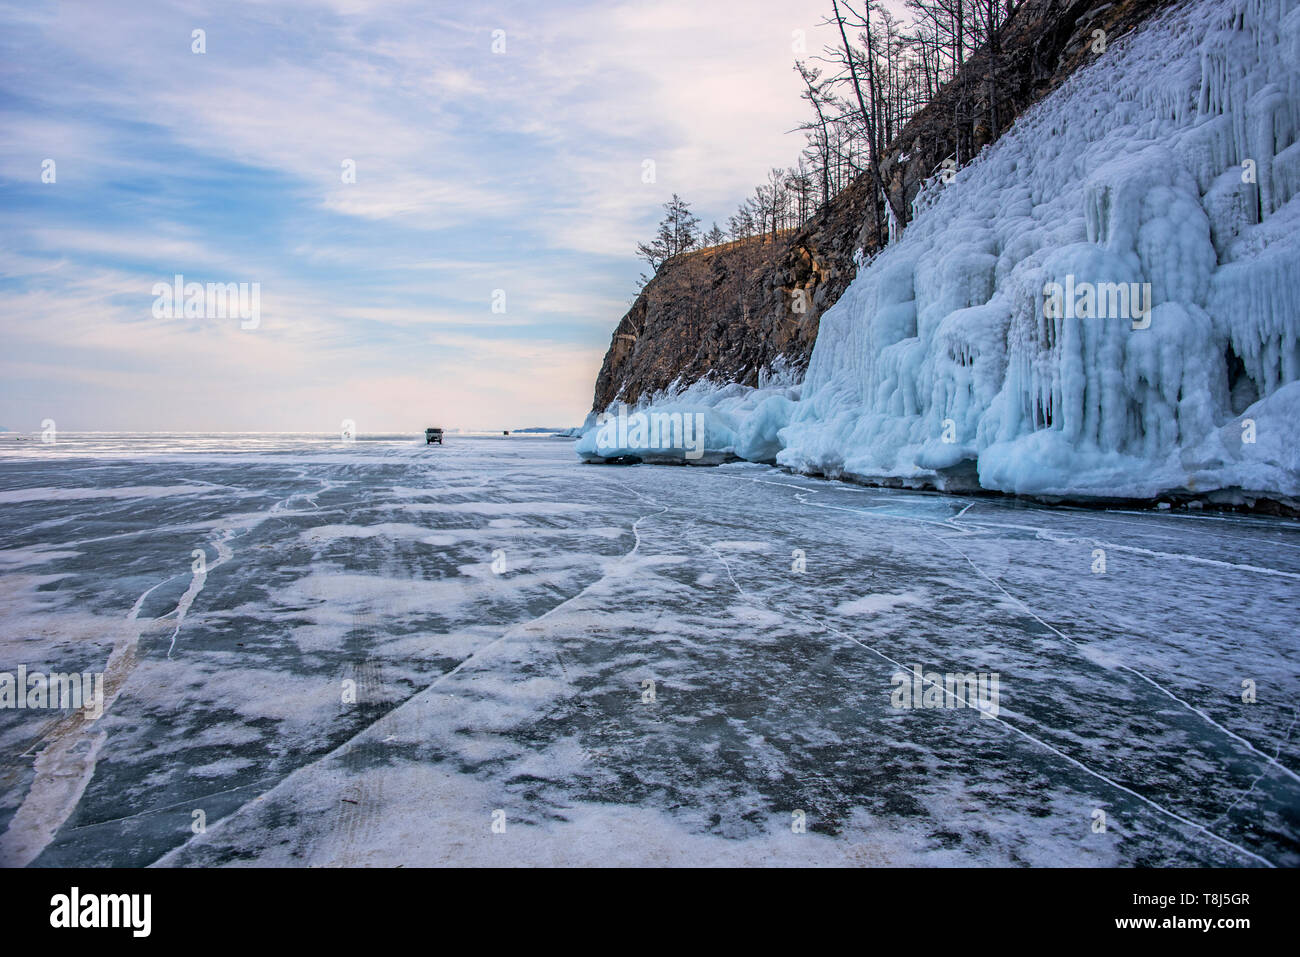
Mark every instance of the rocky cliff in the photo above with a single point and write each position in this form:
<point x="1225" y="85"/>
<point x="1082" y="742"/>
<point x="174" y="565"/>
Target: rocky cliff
<point x="730" y="311"/>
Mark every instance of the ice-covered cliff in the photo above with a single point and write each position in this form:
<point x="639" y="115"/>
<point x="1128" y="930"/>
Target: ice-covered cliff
<point x="1105" y="303"/>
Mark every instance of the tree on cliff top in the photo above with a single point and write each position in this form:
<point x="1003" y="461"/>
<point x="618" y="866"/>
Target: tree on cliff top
<point x="678" y="232"/>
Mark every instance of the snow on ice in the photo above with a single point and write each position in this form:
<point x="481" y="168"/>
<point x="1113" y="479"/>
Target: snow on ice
<point x="390" y="649"/>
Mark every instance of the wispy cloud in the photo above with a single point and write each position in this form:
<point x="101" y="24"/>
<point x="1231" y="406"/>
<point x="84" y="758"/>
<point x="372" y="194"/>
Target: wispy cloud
<point x="482" y="178"/>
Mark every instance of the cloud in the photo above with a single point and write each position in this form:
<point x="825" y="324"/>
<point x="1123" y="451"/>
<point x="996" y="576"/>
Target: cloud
<point x="476" y="171"/>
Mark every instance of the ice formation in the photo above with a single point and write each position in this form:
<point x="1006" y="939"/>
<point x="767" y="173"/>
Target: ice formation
<point x="734" y="421"/>
<point x="1157" y="187"/>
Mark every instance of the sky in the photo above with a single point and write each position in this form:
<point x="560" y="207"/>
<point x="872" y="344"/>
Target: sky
<point x="470" y="277"/>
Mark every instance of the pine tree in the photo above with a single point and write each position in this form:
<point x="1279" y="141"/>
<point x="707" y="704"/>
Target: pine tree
<point x="678" y="233"/>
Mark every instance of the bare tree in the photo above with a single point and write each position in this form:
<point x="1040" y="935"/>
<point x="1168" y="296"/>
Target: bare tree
<point x="799" y="182"/>
<point x="818" y="129"/>
<point x="883" y="72"/>
<point x="853" y="61"/>
<point x="741" y="225"/>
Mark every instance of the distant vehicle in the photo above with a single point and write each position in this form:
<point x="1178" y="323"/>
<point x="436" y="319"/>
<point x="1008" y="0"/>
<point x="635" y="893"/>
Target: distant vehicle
<point x="432" y="435"/>
<point x="505" y="432"/>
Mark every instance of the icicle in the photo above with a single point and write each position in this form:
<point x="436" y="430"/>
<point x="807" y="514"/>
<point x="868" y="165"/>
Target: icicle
<point x="1162" y="179"/>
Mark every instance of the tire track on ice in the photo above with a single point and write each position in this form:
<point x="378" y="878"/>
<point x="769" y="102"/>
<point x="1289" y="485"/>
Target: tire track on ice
<point x="398" y="713"/>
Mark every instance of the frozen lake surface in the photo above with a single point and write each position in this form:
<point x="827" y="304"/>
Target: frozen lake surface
<point x="498" y="609"/>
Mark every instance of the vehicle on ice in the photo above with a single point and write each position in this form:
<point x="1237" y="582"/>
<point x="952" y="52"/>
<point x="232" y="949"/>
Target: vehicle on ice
<point x="432" y="435"/>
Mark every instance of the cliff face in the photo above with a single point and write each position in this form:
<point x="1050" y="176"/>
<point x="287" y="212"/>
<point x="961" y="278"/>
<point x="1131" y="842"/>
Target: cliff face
<point x="732" y="310"/>
<point x="716" y="310"/>
<point x="735" y="309"/>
